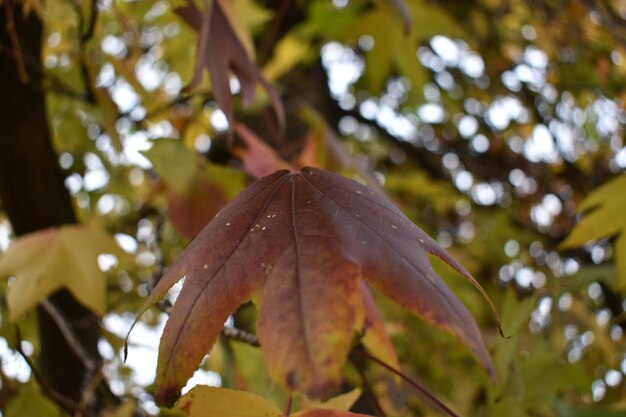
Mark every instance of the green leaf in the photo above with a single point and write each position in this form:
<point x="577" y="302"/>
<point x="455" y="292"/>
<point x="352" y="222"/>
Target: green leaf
<point x="605" y="216"/>
<point x="29" y="402"/>
<point x="515" y="314"/>
<point x="174" y="162"/>
<point x="394" y="49"/>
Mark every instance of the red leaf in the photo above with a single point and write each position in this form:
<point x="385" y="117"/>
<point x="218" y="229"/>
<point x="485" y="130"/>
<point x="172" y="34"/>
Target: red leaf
<point x="303" y="241"/>
<point x="259" y="159"/>
<point x="221" y="52"/>
<point x="191" y="210"/>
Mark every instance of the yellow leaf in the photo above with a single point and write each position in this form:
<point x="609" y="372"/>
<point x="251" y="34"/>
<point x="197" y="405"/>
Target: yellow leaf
<point x="205" y="401"/>
<point x="60" y="257"/>
<point x="288" y="53"/>
<point x="341" y="402"/>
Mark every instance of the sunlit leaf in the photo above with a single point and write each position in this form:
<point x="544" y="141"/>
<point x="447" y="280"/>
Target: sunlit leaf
<point x="204" y="401"/>
<point x="55" y="258"/>
<point x="342" y="402"/>
<point x="289" y="52"/>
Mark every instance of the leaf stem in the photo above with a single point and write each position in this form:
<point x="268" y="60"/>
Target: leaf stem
<point x="287" y="410"/>
<point x="421" y="389"/>
<point x="368" y="388"/>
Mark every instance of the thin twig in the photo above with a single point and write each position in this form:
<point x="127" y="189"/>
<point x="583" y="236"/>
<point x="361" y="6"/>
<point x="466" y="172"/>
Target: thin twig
<point x="82" y="50"/>
<point x="91" y="24"/>
<point x="68" y="333"/>
<point x="239" y="335"/>
<point x="368" y="388"/>
<point x="88" y="393"/>
<point x="46" y="389"/>
<point x="430" y="396"/>
<point x="15" y="42"/>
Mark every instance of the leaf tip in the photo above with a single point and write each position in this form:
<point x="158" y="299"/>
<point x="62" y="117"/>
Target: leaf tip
<point x="501" y="331"/>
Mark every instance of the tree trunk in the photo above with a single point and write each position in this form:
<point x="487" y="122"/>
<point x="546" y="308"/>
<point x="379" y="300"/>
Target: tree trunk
<point x="32" y="191"/>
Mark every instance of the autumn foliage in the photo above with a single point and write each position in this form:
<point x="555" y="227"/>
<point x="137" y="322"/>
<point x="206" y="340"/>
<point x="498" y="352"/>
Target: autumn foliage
<point x="301" y="243"/>
<point x="338" y="208"/>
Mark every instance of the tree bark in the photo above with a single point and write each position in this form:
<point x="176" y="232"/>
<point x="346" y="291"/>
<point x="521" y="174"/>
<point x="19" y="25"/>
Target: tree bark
<point x="32" y="191"/>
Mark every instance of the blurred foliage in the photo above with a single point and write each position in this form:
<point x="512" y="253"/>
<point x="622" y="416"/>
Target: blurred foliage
<point x="493" y="124"/>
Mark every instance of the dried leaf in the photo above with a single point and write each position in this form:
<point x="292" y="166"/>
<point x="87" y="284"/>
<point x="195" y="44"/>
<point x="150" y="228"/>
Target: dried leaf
<point x="53" y="258"/>
<point x="303" y="241"/>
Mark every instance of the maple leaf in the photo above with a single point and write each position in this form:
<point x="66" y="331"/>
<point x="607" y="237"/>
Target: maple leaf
<point x="203" y="400"/>
<point x="303" y="242"/>
<point x="395" y="44"/>
<point x="57" y="257"/>
<point x="222" y="53"/>
<point x="605" y="216"/>
<point x="196" y="189"/>
<point x="260" y="159"/>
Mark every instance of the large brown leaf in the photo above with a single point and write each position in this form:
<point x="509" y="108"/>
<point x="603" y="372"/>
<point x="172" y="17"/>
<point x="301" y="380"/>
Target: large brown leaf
<point x="303" y="241"/>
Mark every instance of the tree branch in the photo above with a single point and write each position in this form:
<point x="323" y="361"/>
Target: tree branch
<point x="72" y="340"/>
<point x="47" y="390"/>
